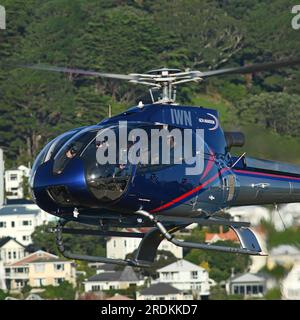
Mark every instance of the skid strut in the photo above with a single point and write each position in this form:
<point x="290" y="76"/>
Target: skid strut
<point x="145" y="254"/>
<point x="248" y="240"/>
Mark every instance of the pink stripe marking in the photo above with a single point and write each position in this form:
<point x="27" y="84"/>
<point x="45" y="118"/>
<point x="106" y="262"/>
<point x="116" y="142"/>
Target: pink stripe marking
<point x="266" y="174"/>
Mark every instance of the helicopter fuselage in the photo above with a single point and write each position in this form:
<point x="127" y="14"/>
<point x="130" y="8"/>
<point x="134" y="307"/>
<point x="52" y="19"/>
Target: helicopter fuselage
<point x="77" y="188"/>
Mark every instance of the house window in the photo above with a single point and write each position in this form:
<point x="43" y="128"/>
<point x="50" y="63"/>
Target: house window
<point x="96" y="288"/>
<point x="9" y="255"/>
<point x="26" y="222"/>
<point x="194" y="274"/>
<point x="39" y="267"/>
<point x="12" y="224"/>
<point x="115" y="243"/>
<point x="15" y="255"/>
<point x="2" y="224"/>
<point x="26" y="238"/>
<point x="58" y="281"/>
<point x="260" y="289"/>
<point x="59" y="267"/>
<point x="13" y="177"/>
<point x="125" y="243"/>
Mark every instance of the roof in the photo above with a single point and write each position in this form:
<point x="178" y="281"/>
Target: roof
<point x="18" y="209"/>
<point x="105" y="276"/>
<point x="107" y="267"/>
<point x="229" y="235"/>
<point x="127" y="275"/>
<point x="5" y="240"/>
<point x="118" y="297"/>
<point x="181" y="265"/>
<point x="58" y="259"/>
<point x="18" y="201"/>
<point x="247" y="277"/>
<point x="285" y="250"/>
<point x="35" y="257"/>
<point x="159" y="289"/>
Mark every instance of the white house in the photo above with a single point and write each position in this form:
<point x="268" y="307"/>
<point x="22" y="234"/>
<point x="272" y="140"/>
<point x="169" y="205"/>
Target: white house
<point x="1" y="178"/>
<point x="252" y="214"/>
<point x="163" y="291"/>
<point x="2" y="276"/>
<point x="19" y="221"/>
<point x="247" y="284"/>
<point x="14" y="182"/>
<point x="118" y="248"/>
<point x="186" y="276"/>
<point x="11" y="250"/>
<point x="291" y="284"/>
<point x="284" y="255"/>
<point x="113" y="280"/>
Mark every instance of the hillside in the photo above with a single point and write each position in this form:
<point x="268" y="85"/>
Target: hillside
<point x="125" y="36"/>
<point x="260" y="142"/>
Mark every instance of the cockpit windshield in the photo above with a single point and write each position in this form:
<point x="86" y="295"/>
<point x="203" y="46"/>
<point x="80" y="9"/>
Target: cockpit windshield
<point x="107" y="181"/>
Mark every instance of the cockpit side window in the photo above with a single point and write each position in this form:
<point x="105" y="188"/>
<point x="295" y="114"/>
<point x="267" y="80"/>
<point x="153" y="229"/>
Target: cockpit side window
<point x="72" y="149"/>
<point x="58" y="143"/>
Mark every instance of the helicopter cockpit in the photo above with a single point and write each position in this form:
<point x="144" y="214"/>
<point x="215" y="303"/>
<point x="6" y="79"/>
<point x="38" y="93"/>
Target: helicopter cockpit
<point x="106" y="181"/>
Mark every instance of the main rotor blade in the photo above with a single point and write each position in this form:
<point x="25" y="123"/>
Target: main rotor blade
<point x="79" y="71"/>
<point x="251" y="68"/>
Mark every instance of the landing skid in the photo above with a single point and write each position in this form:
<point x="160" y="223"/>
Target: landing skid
<point x="147" y="249"/>
<point x="248" y="241"/>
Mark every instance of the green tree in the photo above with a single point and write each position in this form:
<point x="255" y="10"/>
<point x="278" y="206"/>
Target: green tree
<point x="41" y="238"/>
<point x="3" y="295"/>
<point x="221" y="264"/>
<point x="64" y="291"/>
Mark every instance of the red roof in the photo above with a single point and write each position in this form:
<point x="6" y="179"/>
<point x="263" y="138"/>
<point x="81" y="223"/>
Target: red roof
<point x="36" y="256"/>
<point x="229" y="235"/>
<point x="118" y="297"/>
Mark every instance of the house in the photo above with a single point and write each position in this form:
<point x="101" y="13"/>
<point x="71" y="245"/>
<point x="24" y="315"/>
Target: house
<point x="2" y="276"/>
<point x="290" y="288"/>
<point x="221" y="236"/>
<point x="118" y="248"/>
<point x="113" y="280"/>
<point x="252" y="214"/>
<point x="39" y="269"/>
<point x="163" y="291"/>
<point x="284" y="255"/>
<point x="19" y="221"/>
<point x="11" y="250"/>
<point x="118" y="297"/>
<point x="186" y="276"/>
<point x="1" y="178"/>
<point x="32" y="296"/>
<point x="247" y="284"/>
<point x="14" y="182"/>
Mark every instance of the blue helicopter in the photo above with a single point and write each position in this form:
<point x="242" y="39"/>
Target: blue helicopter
<point x="69" y="180"/>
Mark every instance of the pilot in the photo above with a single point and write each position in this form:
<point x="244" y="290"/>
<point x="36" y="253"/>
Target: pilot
<point x="71" y="153"/>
